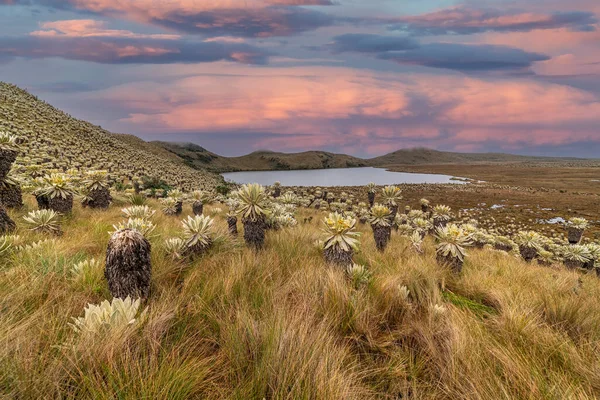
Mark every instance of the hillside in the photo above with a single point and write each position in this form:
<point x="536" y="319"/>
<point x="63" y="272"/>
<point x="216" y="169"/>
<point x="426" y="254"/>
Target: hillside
<point x="199" y="157"/>
<point x="55" y="140"/>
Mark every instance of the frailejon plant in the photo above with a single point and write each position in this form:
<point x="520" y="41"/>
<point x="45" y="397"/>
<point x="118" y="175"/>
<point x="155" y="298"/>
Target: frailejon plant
<point x="576" y="256"/>
<point x="55" y="192"/>
<point x="108" y="317"/>
<point x="416" y="241"/>
<point x="594" y="250"/>
<point x="97" y="193"/>
<point x="504" y="243"/>
<point x="391" y="196"/>
<point x="128" y="264"/>
<point x="442" y="214"/>
<point x="141" y="225"/>
<point x="371" y="190"/>
<point x="87" y="265"/>
<point x="177" y="196"/>
<point x="341" y="239"/>
<point x="175" y="248"/>
<point x="277" y="189"/>
<point x="422" y="225"/>
<point x="197" y="233"/>
<point x="424" y="205"/>
<point x="529" y="244"/>
<point x="233" y="204"/>
<point x="545" y="258"/>
<point x="452" y="241"/>
<point x="170" y="206"/>
<point x="359" y="275"/>
<point x="44" y="221"/>
<point x="380" y="220"/>
<point x="142" y="212"/>
<point x="253" y="209"/>
<point x="575" y="228"/>
<point x="201" y="198"/>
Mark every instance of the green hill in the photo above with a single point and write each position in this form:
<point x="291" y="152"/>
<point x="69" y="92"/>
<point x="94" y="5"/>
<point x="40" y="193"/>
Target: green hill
<point x="199" y="157"/>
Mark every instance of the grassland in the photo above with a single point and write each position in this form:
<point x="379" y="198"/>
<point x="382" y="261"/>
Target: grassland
<point x="279" y="323"/>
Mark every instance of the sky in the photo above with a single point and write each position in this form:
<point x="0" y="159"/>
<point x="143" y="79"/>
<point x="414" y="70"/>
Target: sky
<point x="349" y="76"/>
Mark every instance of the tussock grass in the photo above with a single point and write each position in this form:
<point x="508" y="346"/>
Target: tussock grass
<point x="280" y="324"/>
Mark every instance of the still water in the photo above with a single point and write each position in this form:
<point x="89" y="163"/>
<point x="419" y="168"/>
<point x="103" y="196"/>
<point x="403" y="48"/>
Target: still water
<point x="335" y="177"/>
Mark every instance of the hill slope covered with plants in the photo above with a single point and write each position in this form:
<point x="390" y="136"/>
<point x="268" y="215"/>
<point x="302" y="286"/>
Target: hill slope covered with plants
<point x="55" y="140"/>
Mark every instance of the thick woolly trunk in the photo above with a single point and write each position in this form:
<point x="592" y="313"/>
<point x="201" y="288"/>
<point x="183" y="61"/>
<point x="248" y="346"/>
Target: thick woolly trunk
<point x="128" y="268"/>
<point x="394" y="210"/>
<point x="329" y="201"/>
<point x="544" y="263"/>
<point x="454" y="263"/>
<point x="318" y="205"/>
<point x="197" y="250"/>
<point x="42" y="202"/>
<point x="254" y="233"/>
<point x="363" y="220"/>
<point x="58" y="204"/>
<point x="371" y="199"/>
<point x="7" y="225"/>
<point x="61" y="205"/>
<point x="424" y="208"/>
<point x="589" y="265"/>
<point x="232" y="225"/>
<point x="336" y="256"/>
<point x="574" y="264"/>
<point x="382" y="235"/>
<point x="276" y="192"/>
<point x="179" y="208"/>
<point x="198" y="207"/>
<point x="502" y="247"/>
<point x="575" y="235"/>
<point x="528" y="253"/>
<point x="99" y="198"/>
<point x="11" y="196"/>
<point x="7" y="158"/>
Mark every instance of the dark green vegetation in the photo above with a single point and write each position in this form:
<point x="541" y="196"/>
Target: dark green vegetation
<point x="199" y="157"/>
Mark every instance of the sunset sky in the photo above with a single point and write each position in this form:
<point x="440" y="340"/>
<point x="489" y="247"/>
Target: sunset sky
<point x="353" y="76"/>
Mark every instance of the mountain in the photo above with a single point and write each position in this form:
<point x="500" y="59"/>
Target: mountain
<point x="423" y="156"/>
<point x="52" y="139"/>
<point x="199" y="157"/>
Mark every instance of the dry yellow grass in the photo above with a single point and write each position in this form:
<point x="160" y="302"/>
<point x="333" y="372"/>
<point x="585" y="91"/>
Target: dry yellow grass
<point x="280" y="324"/>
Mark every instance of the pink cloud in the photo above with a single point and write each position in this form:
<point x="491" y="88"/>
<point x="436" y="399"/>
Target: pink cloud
<point x="325" y="106"/>
<point x="245" y="18"/>
<point x="80" y="28"/>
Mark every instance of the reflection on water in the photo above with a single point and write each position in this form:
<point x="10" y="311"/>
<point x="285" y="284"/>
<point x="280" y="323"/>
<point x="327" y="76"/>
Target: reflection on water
<point x="336" y="177"/>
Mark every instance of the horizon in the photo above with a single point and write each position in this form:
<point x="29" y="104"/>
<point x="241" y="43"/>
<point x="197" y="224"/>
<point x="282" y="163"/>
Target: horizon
<point x="235" y="76"/>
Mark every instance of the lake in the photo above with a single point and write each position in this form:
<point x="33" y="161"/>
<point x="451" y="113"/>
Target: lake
<point x="335" y="177"/>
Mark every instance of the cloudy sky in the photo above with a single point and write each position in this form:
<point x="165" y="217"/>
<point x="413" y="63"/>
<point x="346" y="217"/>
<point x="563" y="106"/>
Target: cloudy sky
<point x="353" y="76"/>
